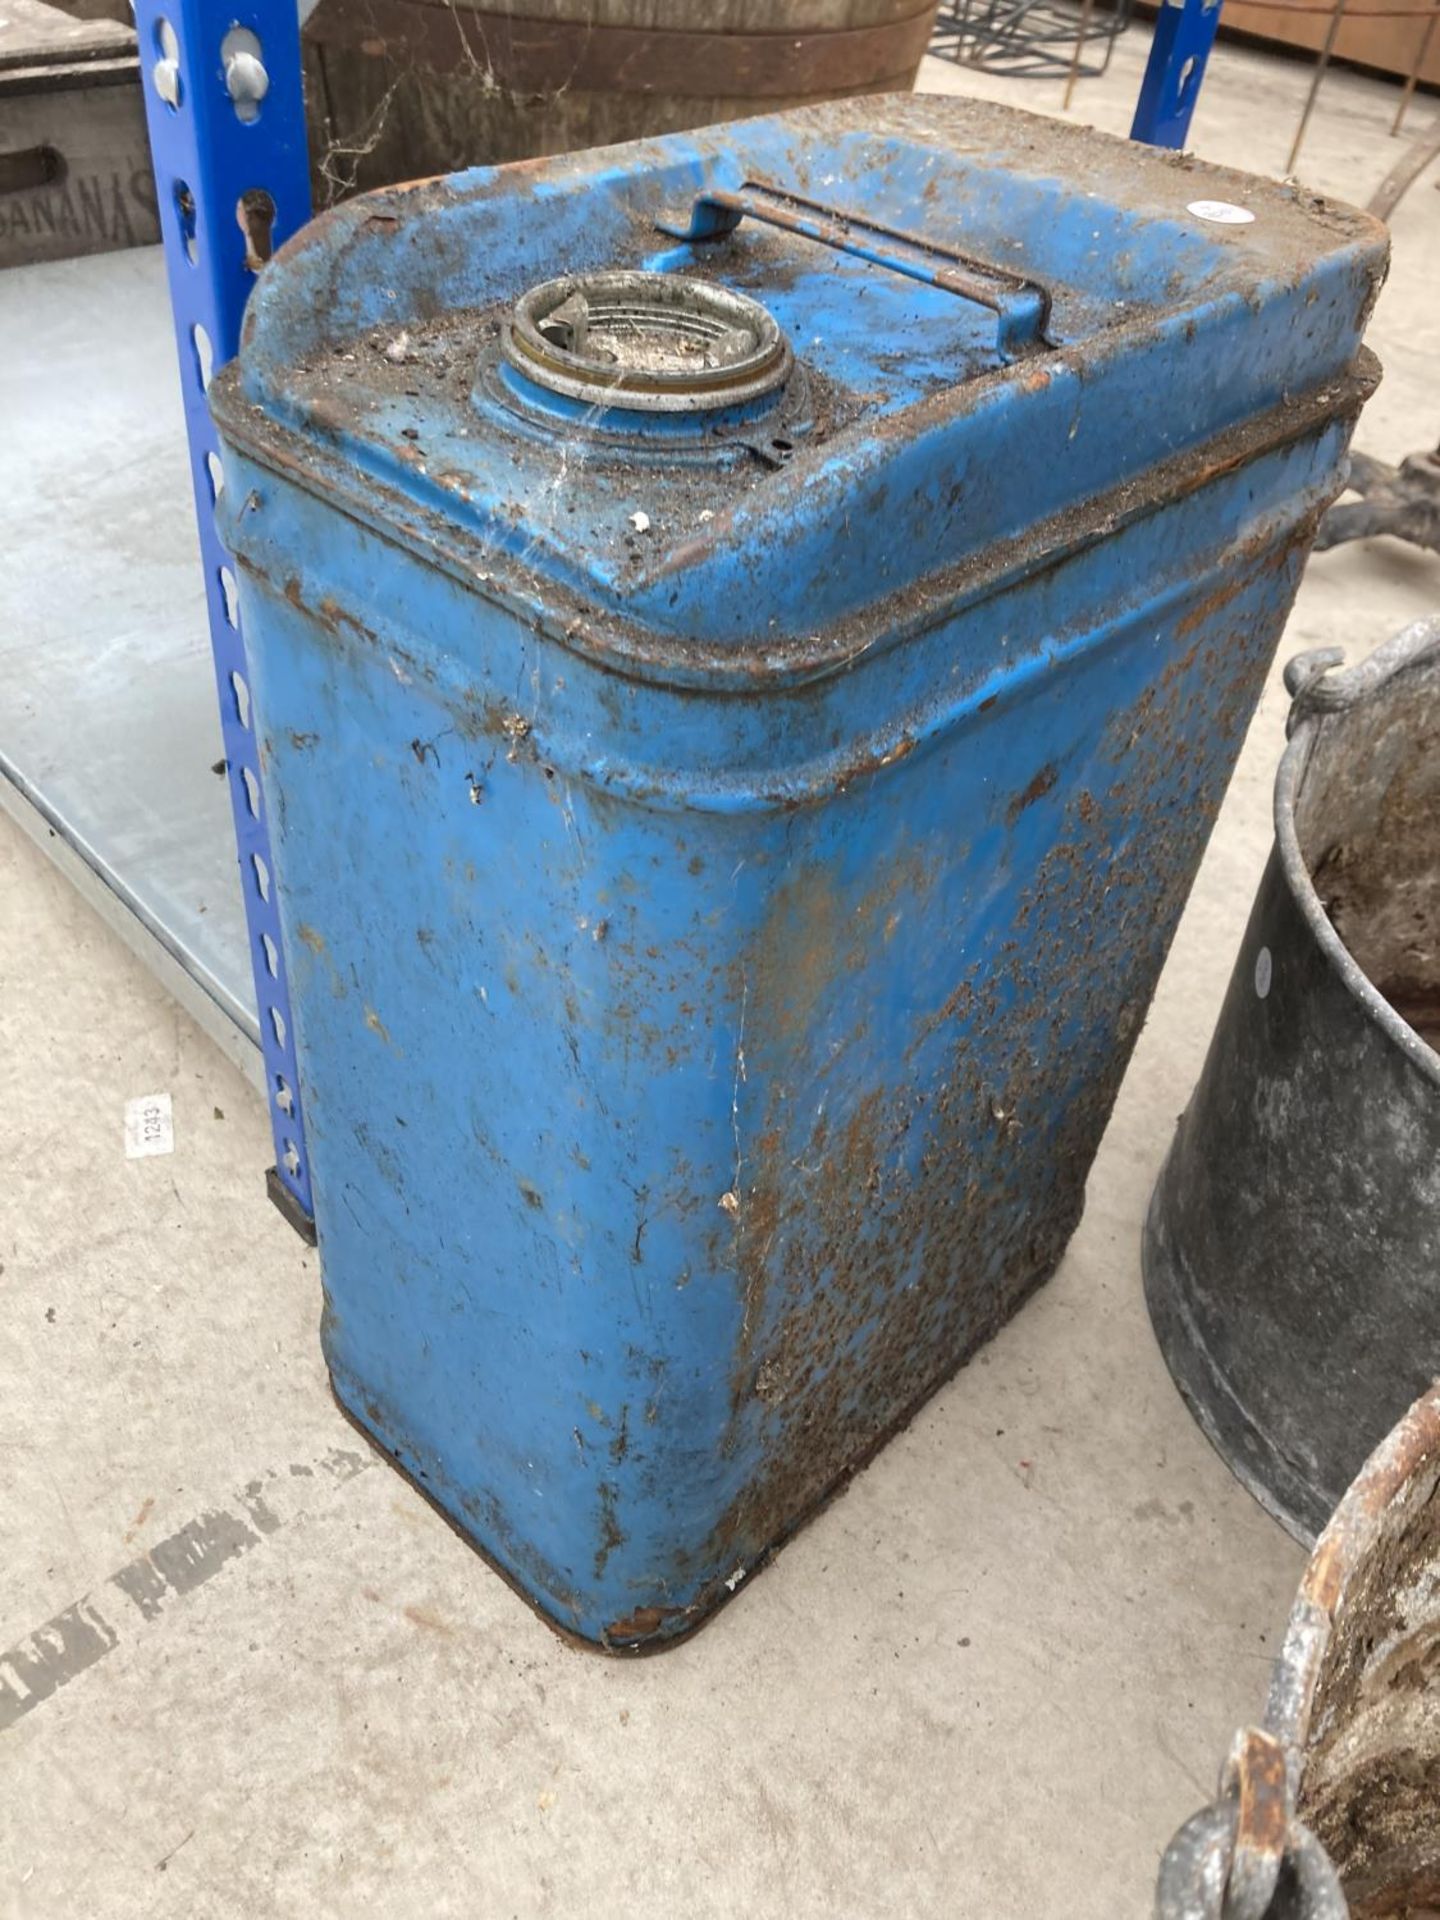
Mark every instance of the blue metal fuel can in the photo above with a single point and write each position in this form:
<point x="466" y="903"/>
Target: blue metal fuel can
<point x="750" y="631"/>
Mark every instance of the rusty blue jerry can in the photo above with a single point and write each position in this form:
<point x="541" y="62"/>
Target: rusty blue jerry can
<point x="750" y="631"/>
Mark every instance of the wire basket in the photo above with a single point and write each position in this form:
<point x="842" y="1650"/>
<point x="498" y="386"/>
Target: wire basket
<point x="1030" y="38"/>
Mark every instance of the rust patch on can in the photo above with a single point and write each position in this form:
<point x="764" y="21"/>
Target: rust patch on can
<point x="643" y="1624"/>
<point x="612" y="1534"/>
<point x="1042" y="784"/>
<point x="881" y="1236"/>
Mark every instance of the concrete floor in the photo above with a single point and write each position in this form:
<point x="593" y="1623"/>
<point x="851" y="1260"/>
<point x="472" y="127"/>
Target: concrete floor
<point x="989" y="1682"/>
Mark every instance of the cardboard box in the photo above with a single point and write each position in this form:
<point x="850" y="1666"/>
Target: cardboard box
<point x="75" y="173"/>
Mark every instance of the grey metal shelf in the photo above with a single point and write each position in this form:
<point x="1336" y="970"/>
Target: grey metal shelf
<point x="109" y="732"/>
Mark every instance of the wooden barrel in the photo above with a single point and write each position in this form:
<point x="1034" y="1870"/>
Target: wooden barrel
<point x="399" y="89"/>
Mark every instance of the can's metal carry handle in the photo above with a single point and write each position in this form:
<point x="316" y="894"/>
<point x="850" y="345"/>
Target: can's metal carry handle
<point x="1021" y="306"/>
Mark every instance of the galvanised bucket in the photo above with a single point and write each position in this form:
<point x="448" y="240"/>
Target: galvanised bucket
<point x="1292" y="1248"/>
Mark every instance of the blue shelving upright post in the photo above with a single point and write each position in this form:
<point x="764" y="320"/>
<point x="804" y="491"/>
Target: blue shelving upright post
<point x="1184" y="34"/>
<point x="227" y="135"/>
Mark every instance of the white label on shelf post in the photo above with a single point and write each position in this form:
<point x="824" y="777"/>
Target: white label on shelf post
<point x="149" y="1126"/>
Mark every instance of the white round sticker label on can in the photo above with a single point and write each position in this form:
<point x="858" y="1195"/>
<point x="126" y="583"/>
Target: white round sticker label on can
<point x="1222" y="211"/>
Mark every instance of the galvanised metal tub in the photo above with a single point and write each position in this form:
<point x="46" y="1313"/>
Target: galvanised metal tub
<point x="749" y="634"/>
<point x="1292" y="1249"/>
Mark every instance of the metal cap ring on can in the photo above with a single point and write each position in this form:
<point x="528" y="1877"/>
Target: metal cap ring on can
<point x="657" y="342"/>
